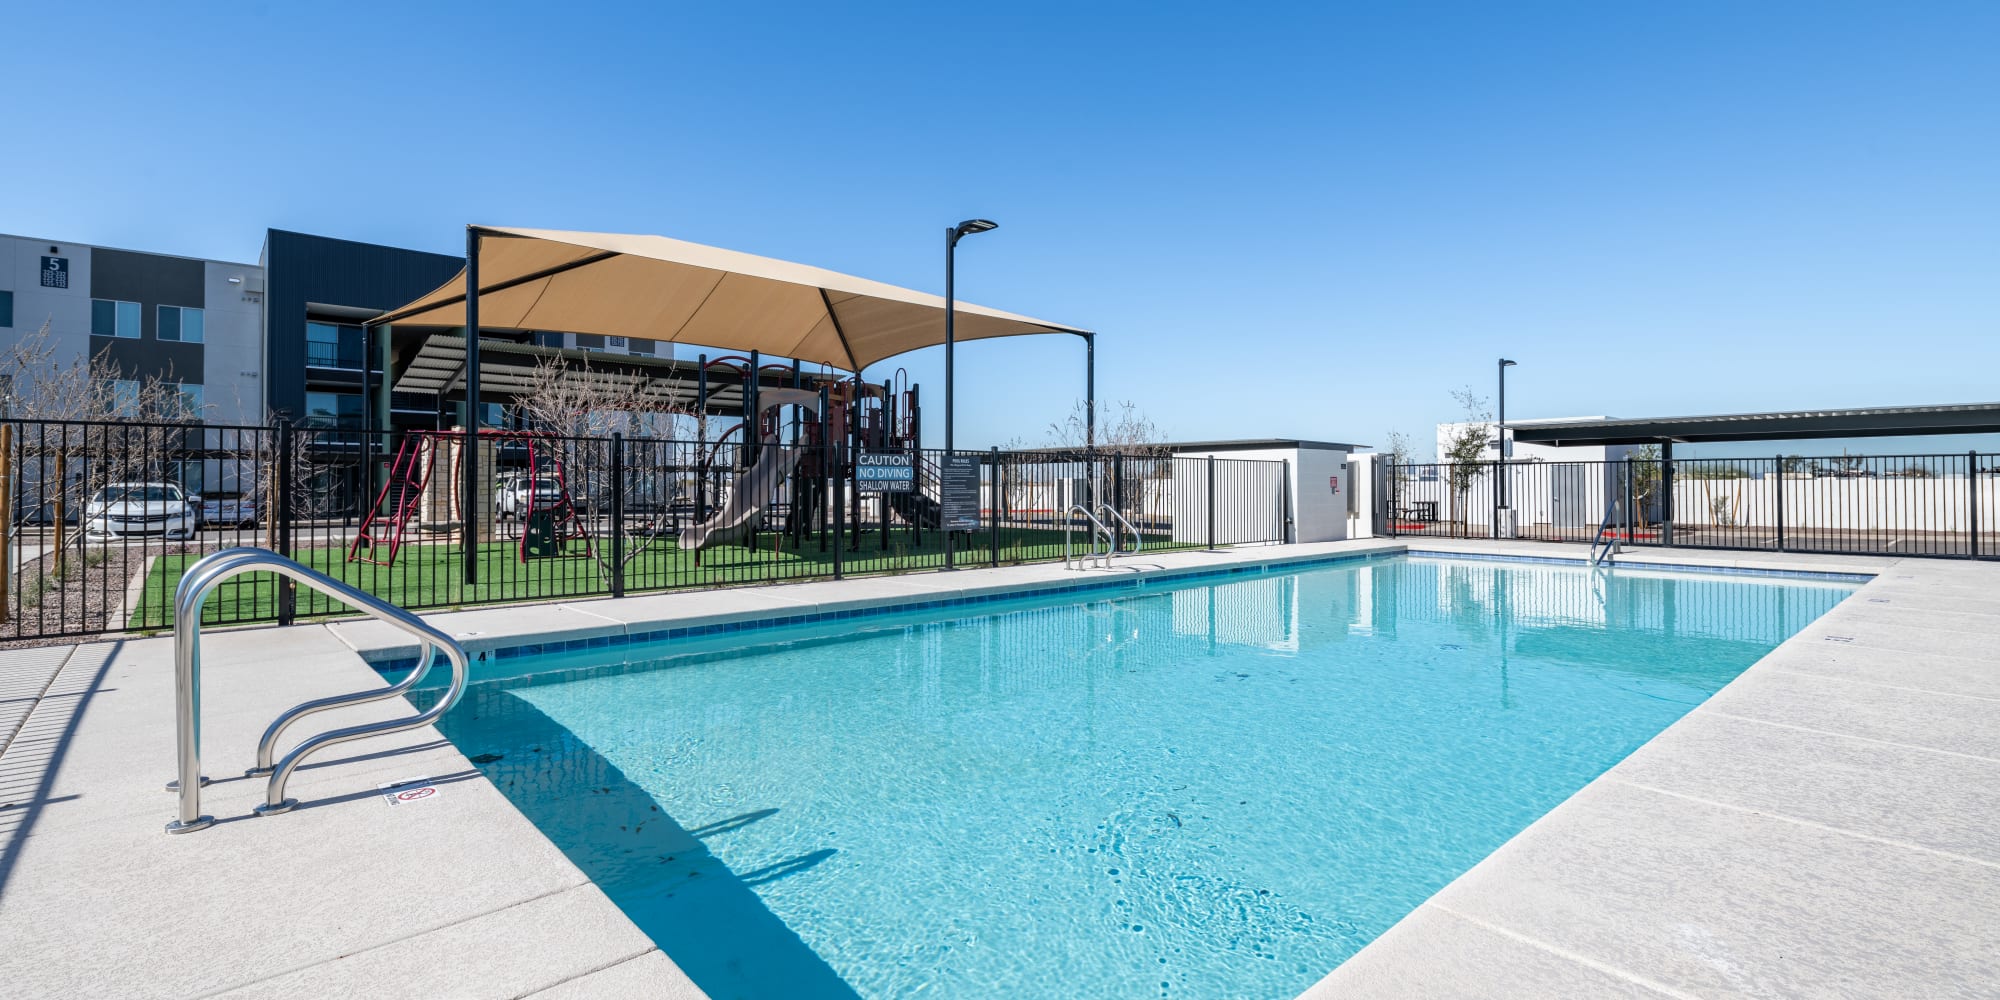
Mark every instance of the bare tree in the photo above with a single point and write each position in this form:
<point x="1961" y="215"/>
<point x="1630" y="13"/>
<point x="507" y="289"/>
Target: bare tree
<point x="1465" y="450"/>
<point x="1127" y="431"/>
<point x="576" y="400"/>
<point x="578" y="407"/>
<point x="1130" y="453"/>
<point x="91" y="425"/>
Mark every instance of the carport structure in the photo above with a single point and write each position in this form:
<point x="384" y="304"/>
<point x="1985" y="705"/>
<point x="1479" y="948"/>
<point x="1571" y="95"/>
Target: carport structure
<point x="672" y="291"/>
<point x="1796" y="425"/>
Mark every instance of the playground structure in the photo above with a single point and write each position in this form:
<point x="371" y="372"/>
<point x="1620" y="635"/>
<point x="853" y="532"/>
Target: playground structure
<point x="412" y="492"/>
<point x="791" y="442"/>
<point x="794" y="432"/>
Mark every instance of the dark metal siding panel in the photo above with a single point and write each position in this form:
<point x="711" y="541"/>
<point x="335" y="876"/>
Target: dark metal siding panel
<point x="149" y="279"/>
<point x="301" y="268"/>
<point x="152" y="280"/>
<point x="139" y="359"/>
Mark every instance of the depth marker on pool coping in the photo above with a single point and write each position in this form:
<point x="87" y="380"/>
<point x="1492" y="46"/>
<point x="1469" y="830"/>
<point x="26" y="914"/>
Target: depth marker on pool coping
<point x="398" y="793"/>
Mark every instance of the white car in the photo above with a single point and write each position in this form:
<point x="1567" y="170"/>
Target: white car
<point x="121" y="509"/>
<point x="511" y="500"/>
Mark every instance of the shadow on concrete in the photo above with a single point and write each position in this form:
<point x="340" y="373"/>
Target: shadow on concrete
<point x="35" y="755"/>
<point x="703" y="915"/>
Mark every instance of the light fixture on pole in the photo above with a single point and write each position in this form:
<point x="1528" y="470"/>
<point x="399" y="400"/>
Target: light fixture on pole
<point x="951" y="238"/>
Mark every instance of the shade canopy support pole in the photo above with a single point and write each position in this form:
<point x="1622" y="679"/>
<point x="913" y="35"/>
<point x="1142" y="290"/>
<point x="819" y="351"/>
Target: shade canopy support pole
<point x="469" y="512"/>
<point x="1090" y="391"/>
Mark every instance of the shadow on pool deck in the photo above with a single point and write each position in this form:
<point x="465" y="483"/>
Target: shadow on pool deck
<point x="703" y="915"/>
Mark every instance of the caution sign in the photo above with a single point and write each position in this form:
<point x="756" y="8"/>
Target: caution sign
<point x="408" y="791"/>
<point x="884" y="472"/>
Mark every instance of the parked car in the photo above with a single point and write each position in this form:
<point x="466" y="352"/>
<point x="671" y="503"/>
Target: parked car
<point x="511" y="500"/>
<point x="122" y="509"/>
<point x="228" y="509"/>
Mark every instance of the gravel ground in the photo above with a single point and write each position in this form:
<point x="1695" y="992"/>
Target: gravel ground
<point x="89" y="598"/>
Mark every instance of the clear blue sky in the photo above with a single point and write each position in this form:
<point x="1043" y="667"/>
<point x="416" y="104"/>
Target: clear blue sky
<point x="1310" y="221"/>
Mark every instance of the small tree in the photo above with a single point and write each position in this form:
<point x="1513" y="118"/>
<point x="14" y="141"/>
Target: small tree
<point x="1465" y="450"/>
<point x="1646" y="476"/>
<point x="1128" y="433"/>
<point x="578" y="406"/>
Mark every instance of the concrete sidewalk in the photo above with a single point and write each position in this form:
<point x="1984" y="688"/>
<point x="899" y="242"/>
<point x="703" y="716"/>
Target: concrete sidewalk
<point x="1821" y="827"/>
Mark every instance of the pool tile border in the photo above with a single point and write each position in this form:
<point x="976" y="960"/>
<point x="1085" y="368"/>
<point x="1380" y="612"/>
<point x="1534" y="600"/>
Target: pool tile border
<point x="1789" y="574"/>
<point x="892" y="606"/>
<point x="1141" y="581"/>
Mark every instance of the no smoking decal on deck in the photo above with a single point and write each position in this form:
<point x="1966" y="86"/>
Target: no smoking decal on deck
<point x="407" y="791"/>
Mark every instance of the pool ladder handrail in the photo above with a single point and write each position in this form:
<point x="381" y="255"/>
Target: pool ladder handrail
<point x="1609" y="546"/>
<point x="1137" y="542"/>
<point x="1097" y="529"/>
<point x="194" y="587"/>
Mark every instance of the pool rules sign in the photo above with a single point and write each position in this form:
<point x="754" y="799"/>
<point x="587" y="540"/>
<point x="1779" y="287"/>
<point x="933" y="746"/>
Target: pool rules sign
<point x="960" y="488"/>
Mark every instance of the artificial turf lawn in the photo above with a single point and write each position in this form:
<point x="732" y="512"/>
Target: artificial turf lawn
<point x="430" y="575"/>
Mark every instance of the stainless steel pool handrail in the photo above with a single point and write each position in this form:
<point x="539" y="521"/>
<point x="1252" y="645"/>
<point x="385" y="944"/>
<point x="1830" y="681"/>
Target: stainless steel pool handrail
<point x="1610" y="546"/>
<point x="1137" y="542"/>
<point x="194" y="588"/>
<point x="1096" y="528"/>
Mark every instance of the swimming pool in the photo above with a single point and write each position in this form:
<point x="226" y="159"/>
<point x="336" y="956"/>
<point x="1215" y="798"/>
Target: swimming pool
<point x="1216" y="787"/>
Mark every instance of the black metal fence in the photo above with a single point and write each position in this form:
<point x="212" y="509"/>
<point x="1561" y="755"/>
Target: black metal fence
<point x="1896" y="505"/>
<point x="107" y="516"/>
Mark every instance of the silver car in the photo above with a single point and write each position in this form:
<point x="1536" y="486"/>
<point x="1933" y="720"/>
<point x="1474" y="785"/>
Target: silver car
<point x="121" y="509"/>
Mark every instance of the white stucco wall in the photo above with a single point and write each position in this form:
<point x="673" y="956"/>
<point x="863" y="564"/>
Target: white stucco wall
<point x="1318" y="484"/>
<point x="67" y="310"/>
<point x="233" y="335"/>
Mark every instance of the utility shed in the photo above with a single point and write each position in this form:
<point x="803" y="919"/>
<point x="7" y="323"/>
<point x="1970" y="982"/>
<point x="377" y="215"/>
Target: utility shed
<point x="1306" y="482"/>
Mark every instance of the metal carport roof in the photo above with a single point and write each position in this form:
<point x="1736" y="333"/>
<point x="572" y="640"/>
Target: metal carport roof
<point x="1785" y="425"/>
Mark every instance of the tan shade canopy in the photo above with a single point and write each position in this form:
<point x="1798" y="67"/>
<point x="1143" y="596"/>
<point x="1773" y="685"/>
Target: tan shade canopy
<point x="667" y="290"/>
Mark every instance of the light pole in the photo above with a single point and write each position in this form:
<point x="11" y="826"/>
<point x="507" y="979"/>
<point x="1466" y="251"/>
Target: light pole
<point x="951" y="238"/>
<point x="1504" y="365"/>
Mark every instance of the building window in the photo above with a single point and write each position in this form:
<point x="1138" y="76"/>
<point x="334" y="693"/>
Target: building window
<point x="644" y="347"/>
<point x="124" y="397"/>
<point x="182" y="323"/>
<point x="6" y="308"/>
<point x="189" y="475"/>
<point x="332" y="409"/>
<point x="191" y="393"/>
<point x="109" y="318"/>
<point x="330" y="345"/>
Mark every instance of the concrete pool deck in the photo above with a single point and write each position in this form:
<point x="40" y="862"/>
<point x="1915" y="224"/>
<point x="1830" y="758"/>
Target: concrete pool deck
<point x="1820" y="827"/>
<point x="1824" y="826"/>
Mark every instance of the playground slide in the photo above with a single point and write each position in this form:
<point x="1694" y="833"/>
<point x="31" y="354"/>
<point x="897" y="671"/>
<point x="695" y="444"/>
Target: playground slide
<point x="746" y="501"/>
<point x="918" y="509"/>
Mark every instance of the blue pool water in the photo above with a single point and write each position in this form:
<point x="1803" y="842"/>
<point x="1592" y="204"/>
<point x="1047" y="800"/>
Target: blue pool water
<point x="1217" y="789"/>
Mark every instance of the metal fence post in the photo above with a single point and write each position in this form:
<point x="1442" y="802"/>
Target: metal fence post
<point x="1667" y="493"/>
<point x="288" y="592"/>
<point x="1972" y="499"/>
<point x="1285" y="504"/>
<point x="617" y="514"/>
<point x="837" y="479"/>
<point x="6" y="517"/>
<point x="1781" y="502"/>
<point x="1211" y="501"/>
<point x="993" y="505"/>
<point x="1632" y="518"/>
<point x="1395" y="481"/>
